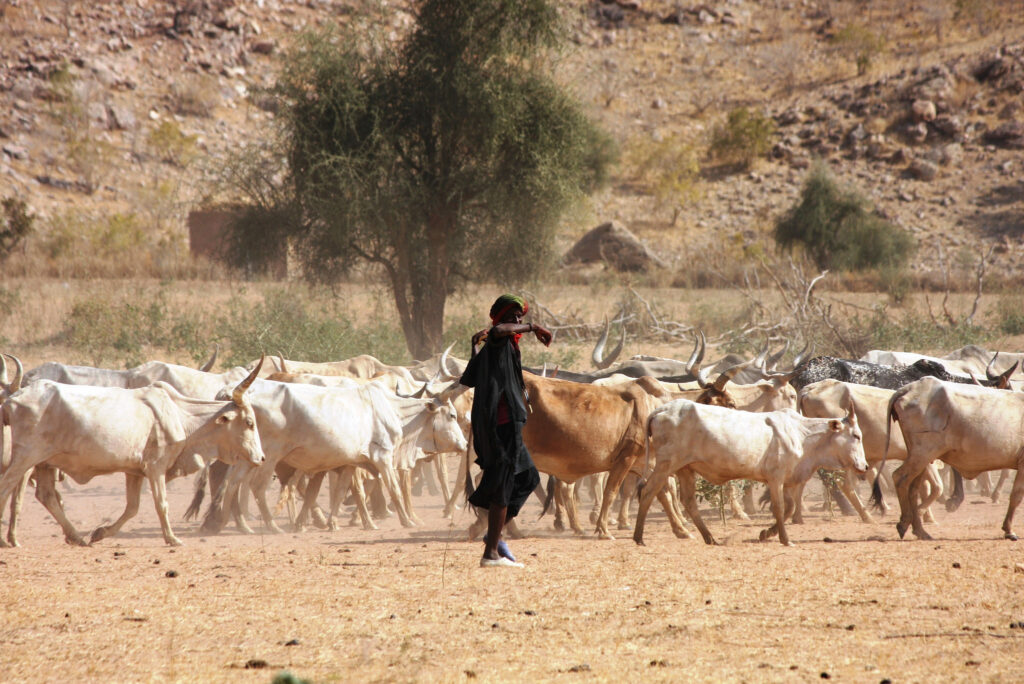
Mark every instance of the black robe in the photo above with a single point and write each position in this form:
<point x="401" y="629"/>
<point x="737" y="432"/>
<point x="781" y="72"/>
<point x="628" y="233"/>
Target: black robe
<point x="508" y="471"/>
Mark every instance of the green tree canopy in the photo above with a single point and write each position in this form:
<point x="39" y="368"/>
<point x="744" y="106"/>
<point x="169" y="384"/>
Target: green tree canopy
<point x="448" y="157"/>
<point x="839" y="229"/>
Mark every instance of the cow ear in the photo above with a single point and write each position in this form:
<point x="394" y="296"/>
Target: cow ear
<point x="835" y="425"/>
<point x="167" y="427"/>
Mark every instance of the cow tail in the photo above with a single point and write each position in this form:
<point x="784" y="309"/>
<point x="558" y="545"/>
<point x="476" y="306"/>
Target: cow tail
<point x="954" y="501"/>
<point x="197" y="497"/>
<point x="549" y="496"/>
<point x="642" y="481"/>
<point x="890" y="417"/>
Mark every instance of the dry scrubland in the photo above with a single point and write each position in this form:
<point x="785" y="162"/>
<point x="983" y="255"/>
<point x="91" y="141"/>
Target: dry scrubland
<point x="848" y="600"/>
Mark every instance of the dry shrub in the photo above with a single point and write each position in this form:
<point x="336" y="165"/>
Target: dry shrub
<point x="195" y="95"/>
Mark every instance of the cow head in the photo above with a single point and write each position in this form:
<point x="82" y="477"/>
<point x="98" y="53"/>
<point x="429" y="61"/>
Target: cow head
<point x="443" y="433"/>
<point x="848" y="441"/>
<point x="237" y="436"/>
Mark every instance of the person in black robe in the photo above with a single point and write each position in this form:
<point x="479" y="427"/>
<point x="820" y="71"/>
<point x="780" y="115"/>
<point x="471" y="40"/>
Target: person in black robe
<point x="498" y="415"/>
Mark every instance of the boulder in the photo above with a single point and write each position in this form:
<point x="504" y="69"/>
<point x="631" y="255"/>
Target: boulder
<point x="1009" y="135"/>
<point x="924" y="170"/>
<point x="923" y="110"/>
<point x="615" y="245"/>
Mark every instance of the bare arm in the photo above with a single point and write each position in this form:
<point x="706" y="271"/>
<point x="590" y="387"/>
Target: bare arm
<point x="544" y="335"/>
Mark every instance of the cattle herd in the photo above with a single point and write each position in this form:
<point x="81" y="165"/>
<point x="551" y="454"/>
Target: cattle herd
<point x="647" y="425"/>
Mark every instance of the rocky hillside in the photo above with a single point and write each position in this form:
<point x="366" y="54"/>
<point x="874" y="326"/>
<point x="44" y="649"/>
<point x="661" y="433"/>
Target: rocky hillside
<point x="117" y="117"/>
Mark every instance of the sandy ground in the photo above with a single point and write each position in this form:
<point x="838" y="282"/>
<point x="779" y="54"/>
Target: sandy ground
<point x="849" y="602"/>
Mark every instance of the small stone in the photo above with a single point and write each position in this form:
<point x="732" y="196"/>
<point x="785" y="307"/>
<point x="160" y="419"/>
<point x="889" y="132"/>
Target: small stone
<point x="293" y="642"/>
<point x="956" y="565"/>
<point x="171" y="573"/>
<point x="923" y="110"/>
<point x="582" y="667"/>
<point x="255" y="664"/>
<point x="923" y="169"/>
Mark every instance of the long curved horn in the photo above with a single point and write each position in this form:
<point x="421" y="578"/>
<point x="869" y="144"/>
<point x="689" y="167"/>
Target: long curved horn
<point x="773" y="359"/>
<point x="613" y="357"/>
<point x="727" y="375"/>
<point x="3" y="370"/>
<point x="238" y="395"/>
<point x="19" y="373"/>
<point x="212" y="360"/>
<point x="280" y="358"/>
<point x="598" y="352"/>
<point x="803" y="355"/>
<point x="699" y="346"/>
<point x="759" y="360"/>
<point x="443" y="364"/>
<point x="1002" y="380"/>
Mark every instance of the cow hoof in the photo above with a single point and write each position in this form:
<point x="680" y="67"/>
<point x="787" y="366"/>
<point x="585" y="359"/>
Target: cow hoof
<point x="593" y="517"/>
<point x="763" y="535"/>
<point x="788" y="543"/>
<point x="901" y="529"/>
<point x="605" y="535"/>
<point x="639" y="542"/>
<point x="922" y="535"/>
<point x="559" y="526"/>
<point x="625" y="526"/>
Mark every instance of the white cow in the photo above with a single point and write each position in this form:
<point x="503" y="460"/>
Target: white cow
<point x="834" y="399"/>
<point x="318" y="429"/>
<point x="86" y="431"/>
<point x="780" y="448"/>
<point x="972" y="428"/>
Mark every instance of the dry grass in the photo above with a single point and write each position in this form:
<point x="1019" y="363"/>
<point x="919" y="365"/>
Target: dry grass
<point x="412" y="605"/>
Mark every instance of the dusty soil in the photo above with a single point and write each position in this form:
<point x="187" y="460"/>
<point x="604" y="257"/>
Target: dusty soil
<point x="849" y="601"/>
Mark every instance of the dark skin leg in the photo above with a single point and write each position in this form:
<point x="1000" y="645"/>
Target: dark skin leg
<point x="495" y="523"/>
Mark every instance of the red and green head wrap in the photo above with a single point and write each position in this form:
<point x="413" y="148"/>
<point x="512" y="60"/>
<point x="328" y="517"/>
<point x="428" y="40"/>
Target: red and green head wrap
<point x="505" y="303"/>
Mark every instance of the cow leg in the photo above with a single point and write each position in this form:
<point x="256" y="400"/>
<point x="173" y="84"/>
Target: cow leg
<point x="18" y="470"/>
<point x="565" y="496"/>
<point x="595" y="483"/>
<point x="16" y="500"/>
<point x="158" y="484"/>
<point x="216" y="516"/>
<point x="1003" y="475"/>
<point x="670" y="503"/>
<point x="934" y="481"/>
<point x="778" y="504"/>
<point x="748" y="500"/>
<point x="984" y="483"/>
<point x="133" y="493"/>
<point x="734" y="503"/>
<point x="798" y="503"/>
<point x="441" y="470"/>
<point x="390" y="480"/>
<point x="258" y="483"/>
<point x="1016" y="493"/>
<point x="308" y="500"/>
<point x="626" y="495"/>
<point x="615" y="477"/>
<point x="405" y="480"/>
<point x="688" y="493"/>
<point x="46" y="494"/>
<point x="360" y="496"/>
<point x="460" y="485"/>
<point x="652" y="488"/>
<point x="340" y="480"/>
<point x="846" y="485"/>
<point x="908" y="483"/>
<point x="238" y="475"/>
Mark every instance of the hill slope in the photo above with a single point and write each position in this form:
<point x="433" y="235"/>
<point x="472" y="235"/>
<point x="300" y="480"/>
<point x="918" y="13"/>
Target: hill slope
<point x="129" y="109"/>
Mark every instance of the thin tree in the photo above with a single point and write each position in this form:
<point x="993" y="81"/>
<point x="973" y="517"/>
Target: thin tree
<point x="446" y="158"/>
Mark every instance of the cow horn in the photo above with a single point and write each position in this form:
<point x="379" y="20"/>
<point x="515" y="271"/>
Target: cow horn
<point x="769" y="364"/>
<point x="596" y="356"/>
<point x="727" y="375"/>
<point x="699" y="346"/>
<point x="280" y="357"/>
<point x="803" y="355"/>
<point x="1000" y="377"/>
<point x="759" y="360"/>
<point x="1002" y="380"/>
<point x="443" y="364"/>
<point x="206" y="367"/>
<point x="238" y="395"/>
<point x="3" y="370"/>
<point x="19" y="373"/>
